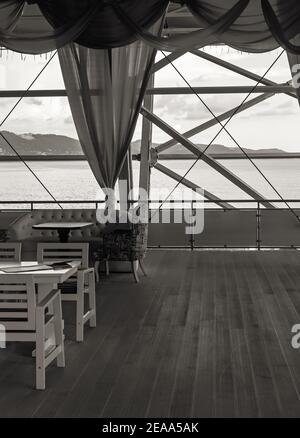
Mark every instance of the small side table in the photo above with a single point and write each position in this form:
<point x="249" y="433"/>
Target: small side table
<point x="63" y="228"/>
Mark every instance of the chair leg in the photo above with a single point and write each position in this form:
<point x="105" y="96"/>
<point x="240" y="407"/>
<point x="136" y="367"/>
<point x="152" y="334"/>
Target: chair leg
<point x="97" y="269"/>
<point x="40" y="350"/>
<point x="134" y="265"/>
<point x="92" y="299"/>
<point x="80" y="309"/>
<point x="58" y="330"/>
<point x="141" y="263"/>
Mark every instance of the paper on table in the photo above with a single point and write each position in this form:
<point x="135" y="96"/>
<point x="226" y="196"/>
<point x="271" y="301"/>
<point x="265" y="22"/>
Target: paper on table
<point x="28" y="268"/>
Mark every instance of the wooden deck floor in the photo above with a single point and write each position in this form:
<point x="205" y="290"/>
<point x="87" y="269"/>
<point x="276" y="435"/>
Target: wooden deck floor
<point x="206" y="334"/>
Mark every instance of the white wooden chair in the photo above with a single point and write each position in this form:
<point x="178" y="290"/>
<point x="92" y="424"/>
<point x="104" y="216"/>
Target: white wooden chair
<point x="25" y="320"/>
<point x="79" y="285"/>
<point x="10" y="251"/>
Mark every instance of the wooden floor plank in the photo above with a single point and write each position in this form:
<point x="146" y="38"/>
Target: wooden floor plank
<point x="246" y="399"/>
<point x="204" y="394"/>
<point x="206" y="334"/>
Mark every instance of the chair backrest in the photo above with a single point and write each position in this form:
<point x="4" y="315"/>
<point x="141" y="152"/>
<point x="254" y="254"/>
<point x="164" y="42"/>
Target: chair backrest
<point x="52" y="251"/>
<point x="17" y="302"/>
<point x="10" y="251"/>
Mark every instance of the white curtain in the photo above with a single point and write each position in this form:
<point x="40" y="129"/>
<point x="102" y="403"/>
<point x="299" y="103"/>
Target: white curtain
<point x="105" y="90"/>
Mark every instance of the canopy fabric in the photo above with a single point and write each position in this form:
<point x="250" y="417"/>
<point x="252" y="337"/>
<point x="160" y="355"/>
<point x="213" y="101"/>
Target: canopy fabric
<point x="278" y="32"/>
<point x="105" y="29"/>
<point x="189" y="41"/>
<point x="248" y="25"/>
<point x="10" y="12"/>
<point x="105" y="90"/>
<point x="250" y="32"/>
<point x="36" y="36"/>
<point x="90" y="23"/>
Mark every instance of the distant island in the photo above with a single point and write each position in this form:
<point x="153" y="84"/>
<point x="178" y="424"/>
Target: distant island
<point x="47" y="145"/>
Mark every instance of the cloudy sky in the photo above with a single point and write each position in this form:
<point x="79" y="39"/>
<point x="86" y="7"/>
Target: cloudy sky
<point x="272" y="124"/>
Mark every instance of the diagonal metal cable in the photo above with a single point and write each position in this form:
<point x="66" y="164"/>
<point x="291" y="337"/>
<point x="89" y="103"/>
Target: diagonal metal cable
<point x="28" y="88"/>
<point x="223" y="127"/>
<point x="12" y="147"/>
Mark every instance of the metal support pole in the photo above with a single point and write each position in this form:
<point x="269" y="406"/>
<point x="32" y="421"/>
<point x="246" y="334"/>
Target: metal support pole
<point x="241" y="71"/>
<point x="212" y="122"/>
<point x="206" y="158"/>
<point x="192" y="238"/>
<point x="184" y="181"/>
<point x="126" y="175"/>
<point x="258" y="227"/>
<point x="146" y="143"/>
<point x="234" y="89"/>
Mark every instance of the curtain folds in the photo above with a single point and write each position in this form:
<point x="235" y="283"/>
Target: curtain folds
<point x="280" y="35"/>
<point x="247" y="25"/>
<point x="105" y="90"/>
<point x="193" y="40"/>
<point x="250" y="32"/>
<point x="90" y="23"/>
<point x="10" y="12"/>
<point x="22" y="38"/>
<point x="105" y="29"/>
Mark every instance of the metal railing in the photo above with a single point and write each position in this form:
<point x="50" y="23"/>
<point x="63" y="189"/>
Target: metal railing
<point x="238" y="205"/>
<point x="161" y="203"/>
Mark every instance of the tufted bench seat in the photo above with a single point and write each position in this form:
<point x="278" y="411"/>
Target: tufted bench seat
<point x="21" y="229"/>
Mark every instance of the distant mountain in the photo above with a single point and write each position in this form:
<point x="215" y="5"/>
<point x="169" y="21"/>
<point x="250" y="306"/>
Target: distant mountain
<point x="214" y="149"/>
<point x="50" y="144"/>
<point x="39" y="144"/>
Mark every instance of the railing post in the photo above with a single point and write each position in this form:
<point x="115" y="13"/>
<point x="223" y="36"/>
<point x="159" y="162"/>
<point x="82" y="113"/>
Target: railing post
<point x="192" y="238"/>
<point x="258" y="227"/>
